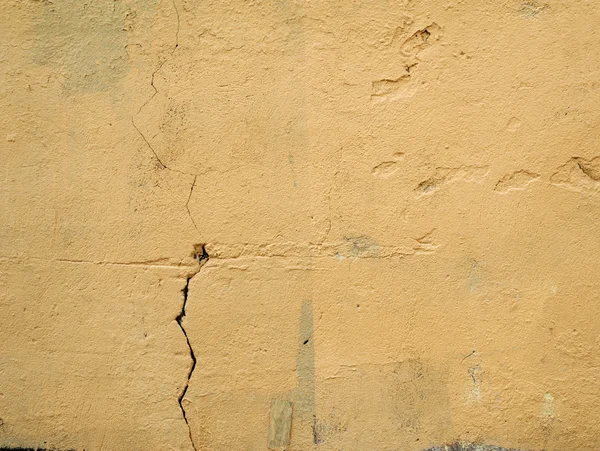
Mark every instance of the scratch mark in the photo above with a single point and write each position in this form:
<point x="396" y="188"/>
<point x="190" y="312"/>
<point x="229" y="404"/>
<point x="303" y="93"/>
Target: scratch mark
<point x="187" y="204"/>
<point x="475" y="392"/>
<point x="331" y="188"/>
<point x="468" y="355"/>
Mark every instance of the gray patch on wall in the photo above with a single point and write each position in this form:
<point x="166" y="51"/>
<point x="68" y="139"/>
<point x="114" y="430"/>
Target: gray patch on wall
<point x="30" y="449"/>
<point x="83" y="43"/>
<point x="304" y="405"/>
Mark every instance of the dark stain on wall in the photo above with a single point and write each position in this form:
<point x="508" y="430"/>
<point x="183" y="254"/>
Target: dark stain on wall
<point x="4" y="448"/>
<point x="460" y="446"/>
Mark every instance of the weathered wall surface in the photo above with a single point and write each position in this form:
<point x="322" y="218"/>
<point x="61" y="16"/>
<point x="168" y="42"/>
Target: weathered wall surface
<point x="334" y="225"/>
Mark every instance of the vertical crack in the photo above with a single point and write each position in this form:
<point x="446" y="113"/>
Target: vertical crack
<point x="202" y="256"/>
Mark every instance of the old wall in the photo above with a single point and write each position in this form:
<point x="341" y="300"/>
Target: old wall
<point x="333" y="225"/>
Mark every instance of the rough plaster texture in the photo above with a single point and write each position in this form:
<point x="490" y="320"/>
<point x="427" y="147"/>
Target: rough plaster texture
<point x="385" y="213"/>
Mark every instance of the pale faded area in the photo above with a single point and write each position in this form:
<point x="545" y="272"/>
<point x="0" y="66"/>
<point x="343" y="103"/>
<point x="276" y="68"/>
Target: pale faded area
<point x="399" y="201"/>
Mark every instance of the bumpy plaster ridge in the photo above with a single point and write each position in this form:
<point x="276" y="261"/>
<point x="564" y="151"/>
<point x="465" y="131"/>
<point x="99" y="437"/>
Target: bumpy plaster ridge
<point x="202" y="256"/>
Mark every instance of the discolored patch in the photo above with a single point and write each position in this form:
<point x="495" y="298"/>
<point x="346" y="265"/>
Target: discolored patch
<point x="83" y="42"/>
<point x="412" y="394"/>
<point x="459" y="446"/>
<point x="360" y="246"/>
<point x="4" y="448"/>
<point x="280" y="424"/>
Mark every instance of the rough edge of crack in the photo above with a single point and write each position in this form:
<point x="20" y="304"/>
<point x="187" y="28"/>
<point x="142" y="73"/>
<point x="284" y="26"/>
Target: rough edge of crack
<point x="202" y="257"/>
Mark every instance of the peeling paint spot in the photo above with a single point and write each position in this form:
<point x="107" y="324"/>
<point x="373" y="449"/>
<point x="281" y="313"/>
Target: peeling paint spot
<point x="392" y="88"/>
<point x="533" y="8"/>
<point x="590" y="168"/>
<point x="401" y="85"/>
<point x="578" y="174"/>
<point x="442" y="176"/>
<point x="385" y="169"/>
<point x="421" y="39"/>
<point x="548" y="406"/>
<point x="280" y="424"/>
<point x="518" y="180"/>
<point x="388" y="168"/>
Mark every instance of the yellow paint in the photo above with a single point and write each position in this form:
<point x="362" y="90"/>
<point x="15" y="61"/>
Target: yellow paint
<point x="399" y="201"/>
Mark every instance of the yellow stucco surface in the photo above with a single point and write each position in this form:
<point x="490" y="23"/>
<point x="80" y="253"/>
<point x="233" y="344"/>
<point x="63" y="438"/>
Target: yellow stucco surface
<point x="333" y="225"/>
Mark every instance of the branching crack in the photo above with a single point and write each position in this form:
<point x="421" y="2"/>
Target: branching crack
<point x="202" y="256"/>
<point x="143" y="136"/>
<point x="160" y="66"/>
